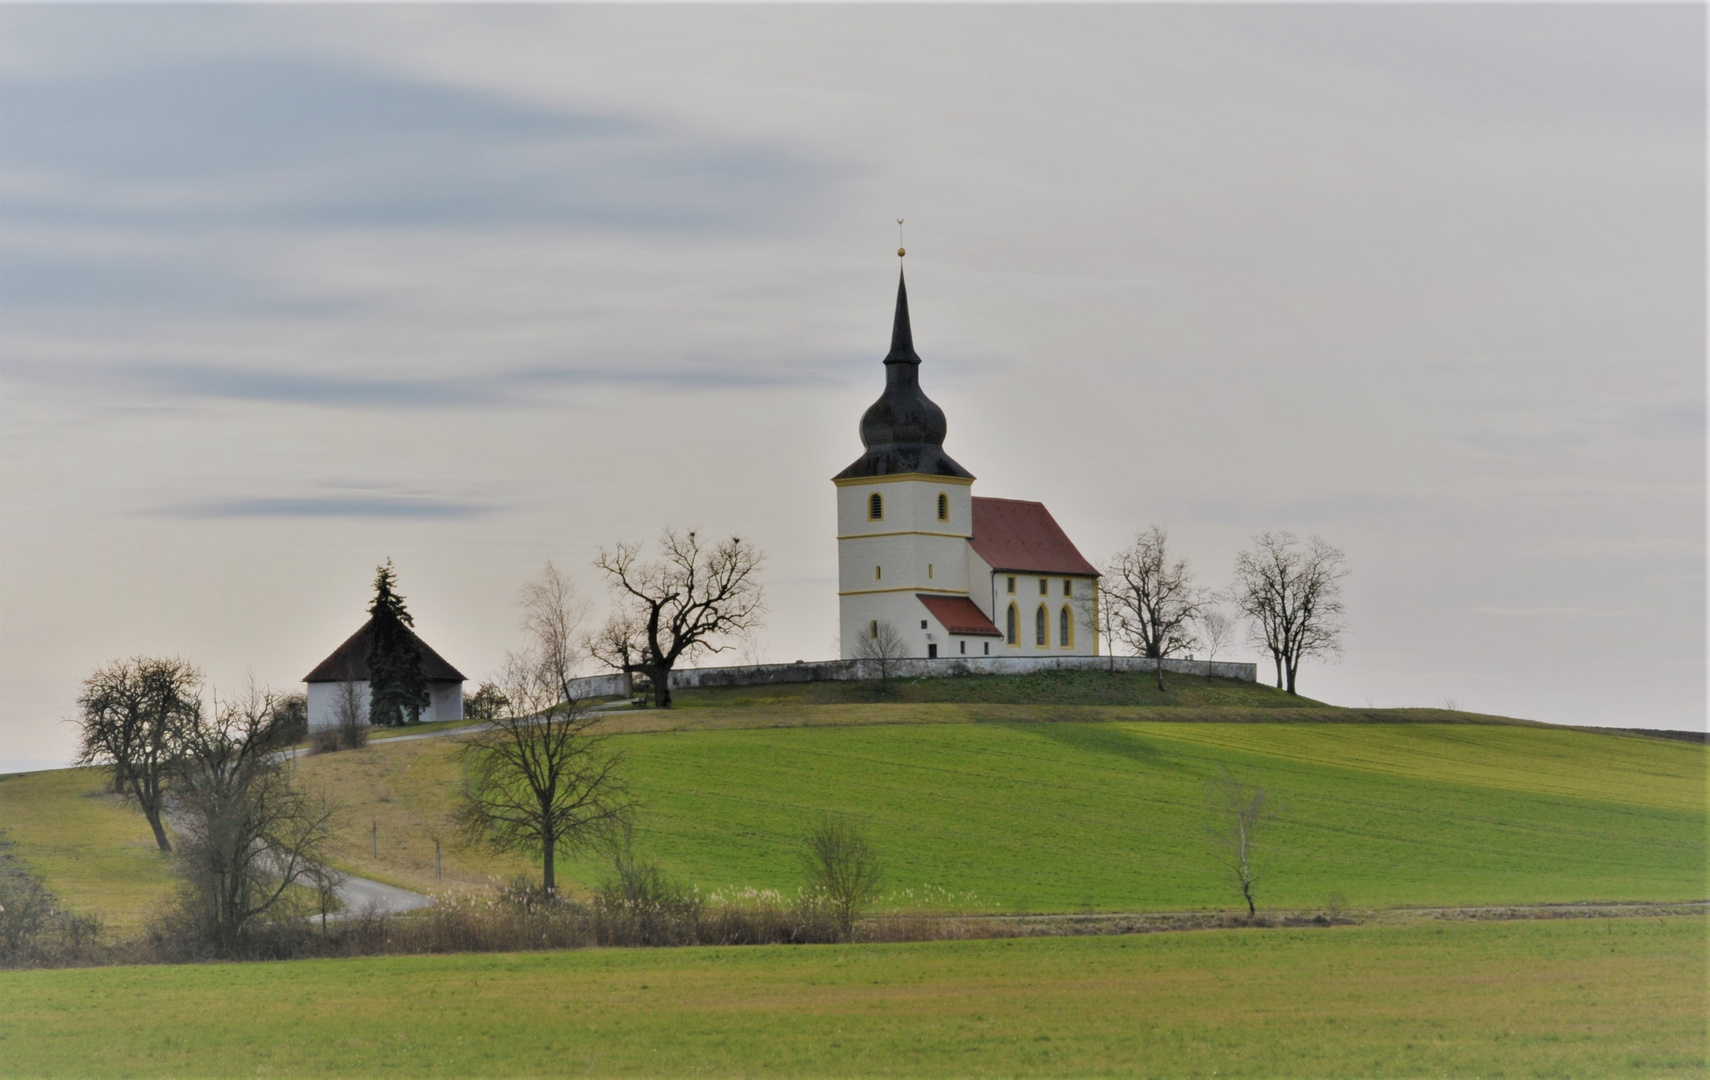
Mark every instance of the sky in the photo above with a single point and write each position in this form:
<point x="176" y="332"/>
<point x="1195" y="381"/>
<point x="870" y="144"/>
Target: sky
<point x="287" y="291"/>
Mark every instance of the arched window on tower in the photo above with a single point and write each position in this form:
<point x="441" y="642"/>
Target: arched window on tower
<point x="876" y="507"/>
<point x="1013" y="627"/>
<point x="1039" y="627"/>
<point x="1065" y="628"/>
<point x="943" y="507"/>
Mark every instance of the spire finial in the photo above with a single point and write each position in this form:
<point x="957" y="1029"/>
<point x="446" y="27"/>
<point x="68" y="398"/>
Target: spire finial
<point x="901" y="251"/>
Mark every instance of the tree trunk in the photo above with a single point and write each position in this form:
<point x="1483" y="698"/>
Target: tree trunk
<point x="159" y="832"/>
<point x="661" y="677"/>
<point x="548" y="877"/>
<point x="1160" y="663"/>
<point x="1292" y="668"/>
<point x="151" y="810"/>
<point x="1278" y="659"/>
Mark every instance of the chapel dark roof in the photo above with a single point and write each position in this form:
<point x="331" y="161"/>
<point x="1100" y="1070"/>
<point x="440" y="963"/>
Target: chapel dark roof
<point x="904" y="430"/>
<point x="1014" y="535"/>
<point x="349" y="662"/>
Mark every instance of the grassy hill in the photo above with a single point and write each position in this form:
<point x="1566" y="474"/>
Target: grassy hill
<point x="93" y="849"/>
<point x="1086" y="794"/>
<point x="1580" y="998"/>
<point x="1051" y="815"/>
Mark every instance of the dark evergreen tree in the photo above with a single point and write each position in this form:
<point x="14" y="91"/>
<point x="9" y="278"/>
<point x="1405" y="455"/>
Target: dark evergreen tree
<point x="397" y="688"/>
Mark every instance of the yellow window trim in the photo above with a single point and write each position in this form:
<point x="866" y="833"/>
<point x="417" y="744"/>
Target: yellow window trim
<point x="900" y="478"/>
<point x="903" y="532"/>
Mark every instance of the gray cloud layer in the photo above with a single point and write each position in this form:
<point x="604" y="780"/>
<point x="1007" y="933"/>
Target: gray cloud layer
<point x="288" y="290"/>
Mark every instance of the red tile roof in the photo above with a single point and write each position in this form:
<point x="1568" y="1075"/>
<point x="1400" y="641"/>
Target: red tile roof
<point x="350" y="660"/>
<point x="958" y="615"/>
<point x="1014" y="535"/>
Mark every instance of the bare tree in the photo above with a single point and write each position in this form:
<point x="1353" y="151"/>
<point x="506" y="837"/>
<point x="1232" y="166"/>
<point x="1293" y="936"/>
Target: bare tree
<point x="842" y="869"/>
<point x="552" y="619"/>
<point x="1239" y="814"/>
<point x="1153" y="600"/>
<point x="248" y="834"/>
<point x="881" y="647"/>
<point x="1098" y="606"/>
<point x="685" y="603"/>
<point x="1217" y="630"/>
<point x="537" y="779"/>
<point x="1292" y="593"/>
<point x="133" y="715"/>
<point x="485" y="703"/>
<point x="350" y="716"/>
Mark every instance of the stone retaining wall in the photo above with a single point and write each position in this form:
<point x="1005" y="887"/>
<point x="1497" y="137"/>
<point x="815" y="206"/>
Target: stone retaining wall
<point x="914" y="668"/>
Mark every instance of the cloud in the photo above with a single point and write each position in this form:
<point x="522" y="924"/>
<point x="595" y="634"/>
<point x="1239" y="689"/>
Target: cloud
<point x="330" y="506"/>
<point x="1534" y="612"/>
<point x="517" y="387"/>
<point x="291" y="142"/>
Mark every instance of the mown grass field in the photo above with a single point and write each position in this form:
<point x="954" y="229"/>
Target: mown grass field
<point x="1572" y="998"/>
<point x="95" y="851"/>
<point x="1043" y="816"/>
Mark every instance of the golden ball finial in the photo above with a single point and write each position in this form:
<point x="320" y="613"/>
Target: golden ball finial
<point x="901" y="252"/>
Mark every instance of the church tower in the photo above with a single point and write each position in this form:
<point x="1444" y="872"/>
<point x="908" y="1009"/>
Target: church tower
<point x="904" y="514"/>
<point x="935" y="572"/>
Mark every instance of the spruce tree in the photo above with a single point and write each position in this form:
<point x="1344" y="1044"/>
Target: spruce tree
<point x="397" y="688"/>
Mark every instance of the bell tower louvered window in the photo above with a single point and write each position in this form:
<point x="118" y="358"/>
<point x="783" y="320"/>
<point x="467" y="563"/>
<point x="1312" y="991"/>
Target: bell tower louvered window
<point x="876" y="507"/>
<point x="943" y="507"/>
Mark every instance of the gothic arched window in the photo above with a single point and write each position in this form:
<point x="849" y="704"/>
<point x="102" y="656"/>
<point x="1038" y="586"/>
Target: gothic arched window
<point x="1039" y="627"/>
<point x="1065" y="628"/>
<point x="876" y="507"/>
<point x="1013" y="628"/>
<point x="943" y="507"/>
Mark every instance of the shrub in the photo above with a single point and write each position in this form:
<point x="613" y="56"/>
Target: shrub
<point x="640" y="905"/>
<point x="843" y="871"/>
<point x="291" y="718"/>
<point x="35" y="931"/>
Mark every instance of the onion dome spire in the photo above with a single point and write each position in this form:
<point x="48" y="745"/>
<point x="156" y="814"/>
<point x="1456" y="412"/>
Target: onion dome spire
<point x="904" y="430"/>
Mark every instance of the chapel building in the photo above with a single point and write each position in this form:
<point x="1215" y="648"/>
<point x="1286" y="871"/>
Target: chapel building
<point x="952" y="574"/>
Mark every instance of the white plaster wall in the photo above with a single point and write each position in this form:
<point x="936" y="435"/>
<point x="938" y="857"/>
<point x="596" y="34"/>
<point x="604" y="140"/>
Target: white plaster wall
<point x="912" y="552"/>
<point x="910" y="506"/>
<point x="445" y="702"/>
<point x="324" y="699"/>
<point x="1027" y="600"/>
<point x="913" y="561"/>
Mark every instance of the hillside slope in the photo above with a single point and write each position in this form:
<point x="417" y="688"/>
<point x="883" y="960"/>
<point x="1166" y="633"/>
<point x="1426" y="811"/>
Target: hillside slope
<point x="1065" y="816"/>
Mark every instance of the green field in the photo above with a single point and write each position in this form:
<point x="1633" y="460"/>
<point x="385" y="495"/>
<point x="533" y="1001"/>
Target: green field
<point x="1067" y="816"/>
<point x="1570" y="998"/>
<point x="95" y="851"/>
<point x="1045" y="806"/>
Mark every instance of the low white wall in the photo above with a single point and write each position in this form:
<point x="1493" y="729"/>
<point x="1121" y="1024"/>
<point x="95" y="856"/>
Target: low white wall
<point x="846" y="670"/>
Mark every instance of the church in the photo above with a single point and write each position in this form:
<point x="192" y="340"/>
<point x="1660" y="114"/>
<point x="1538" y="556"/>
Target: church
<point x="950" y="574"/>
